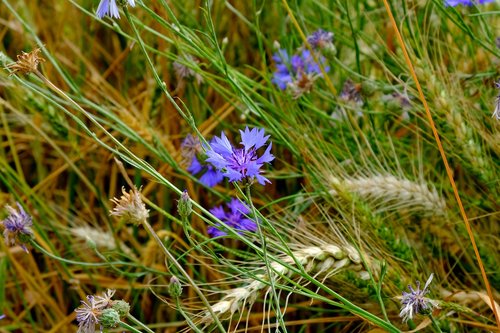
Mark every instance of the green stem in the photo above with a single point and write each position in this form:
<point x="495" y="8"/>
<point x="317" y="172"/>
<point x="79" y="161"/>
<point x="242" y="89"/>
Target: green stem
<point x="435" y="323"/>
<point x="188" y="320"/>
<point x="90" y="264"/>
<point x="187" y="116"/>
<point x="266" y="259"/>
<point x="139" y="323"/>
<point x="184" y="273"/>
<point x="130" y="328"/>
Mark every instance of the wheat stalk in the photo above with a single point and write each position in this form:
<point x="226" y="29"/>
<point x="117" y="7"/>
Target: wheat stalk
<point x="401" y="192"/>
<point x="326" y="259"/>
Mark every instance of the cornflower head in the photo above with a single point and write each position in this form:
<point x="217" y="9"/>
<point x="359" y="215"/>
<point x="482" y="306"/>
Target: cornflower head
<point x="415" y="301"/>
<point x="320" y="39"/>
<point x="110" y="7"/>
<point x="100" y="310"/>
<point x="87" y="315"/>
<point x="454" y="3"/>
<point x="234" y="217"/>
<point x="193" y="155"/>
<point x="241" y="163"/>
<point x="351" y="95"/>
<point x="298" y="73"/>
<point x="130" y="206"/>
<point x="17" y="227"/>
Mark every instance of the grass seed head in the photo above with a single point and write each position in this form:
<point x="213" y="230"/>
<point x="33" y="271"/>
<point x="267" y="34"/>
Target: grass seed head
<point x="26" y="62"/>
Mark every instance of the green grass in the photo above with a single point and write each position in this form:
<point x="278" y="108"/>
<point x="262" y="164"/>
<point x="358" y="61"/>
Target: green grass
<point x="373" y="183"/>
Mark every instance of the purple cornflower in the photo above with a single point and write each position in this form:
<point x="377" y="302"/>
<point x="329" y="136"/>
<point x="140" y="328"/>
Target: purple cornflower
<point x="192" y="152"/>
<point x="241" y="163"/>
<point x="320" y="39"/>
<point x="234" y="218"/>
<point x="454" y="3"/>
<point x="110" y="8"/>
<point x="298" y="72"/>
<point x="415" y="301"/>
<point x="290" y="69"/>
<point x="17" y="226"/>
<point x="351" y="93"/>
<point x="87" y="315"/>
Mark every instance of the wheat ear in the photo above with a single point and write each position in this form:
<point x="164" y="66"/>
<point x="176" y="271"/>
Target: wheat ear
<point x="403" y="193"/>
<point x="327" y="260"/>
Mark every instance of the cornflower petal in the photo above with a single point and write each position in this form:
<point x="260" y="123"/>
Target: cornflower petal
<point x="415" y="301"/>
<point x="267" y="156"/>
<point x="17" y="227"/>
<point x="320" y="39"/>
<point x="253" y="138"/>
<point x="236" y="206"/>
<point x="222" y="145"/>
<point x="234" y="218"/>
<point x="87" y="315"/>
<point x="299" y="72"/>
<point x="211" y="177"/>
<point x="215" y="232"/>
<point x="454" y="3"/>
<point x="216" y="159"/>
<point x="108" y="7"/>
<point x="191" y="151"/>
<point x="195" y="166"/>
<point x="240" y="163"/>
<point x="262" y="180"/>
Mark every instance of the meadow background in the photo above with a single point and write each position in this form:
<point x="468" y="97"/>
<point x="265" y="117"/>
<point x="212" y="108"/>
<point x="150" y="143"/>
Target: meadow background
<point x="360" y="203"/>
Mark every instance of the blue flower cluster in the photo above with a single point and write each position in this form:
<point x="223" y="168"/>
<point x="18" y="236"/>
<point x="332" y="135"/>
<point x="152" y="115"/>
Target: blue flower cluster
<point x="454" y="3"/>
<point x="299" y="71"/>
<point x="290" y="69"/>
<point x="235" y="217"/>
<point x="222" y="160"/>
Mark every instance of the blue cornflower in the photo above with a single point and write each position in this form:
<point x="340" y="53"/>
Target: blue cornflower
<point x="320" y="39"/>
<point x="241" y="163"/>
<point x="110" y="8"/>
<point x="454" y="3"/>
<point x="192" y="152"/>
<point x="17" y="226"/>
<point x="297" y="72"/>
<point x="415" y="301"/>
<point x="234" y="218"/>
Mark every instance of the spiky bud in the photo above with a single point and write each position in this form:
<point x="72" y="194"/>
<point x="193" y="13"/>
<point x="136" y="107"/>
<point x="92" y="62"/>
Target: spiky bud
<point x="109" y="318"/>
<point x="184" y="205"/>
<point x="122" y="307"/>
<point x="175" y="288"/>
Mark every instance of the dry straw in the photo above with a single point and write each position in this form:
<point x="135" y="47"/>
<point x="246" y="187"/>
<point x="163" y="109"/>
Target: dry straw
<point x="402" y="193"/>
<point x="325" y="260"/>
<point x="102" y="239"/>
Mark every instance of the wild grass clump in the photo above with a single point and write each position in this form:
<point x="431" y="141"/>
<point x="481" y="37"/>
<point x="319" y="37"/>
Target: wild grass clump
<point x="224" y="166"/>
